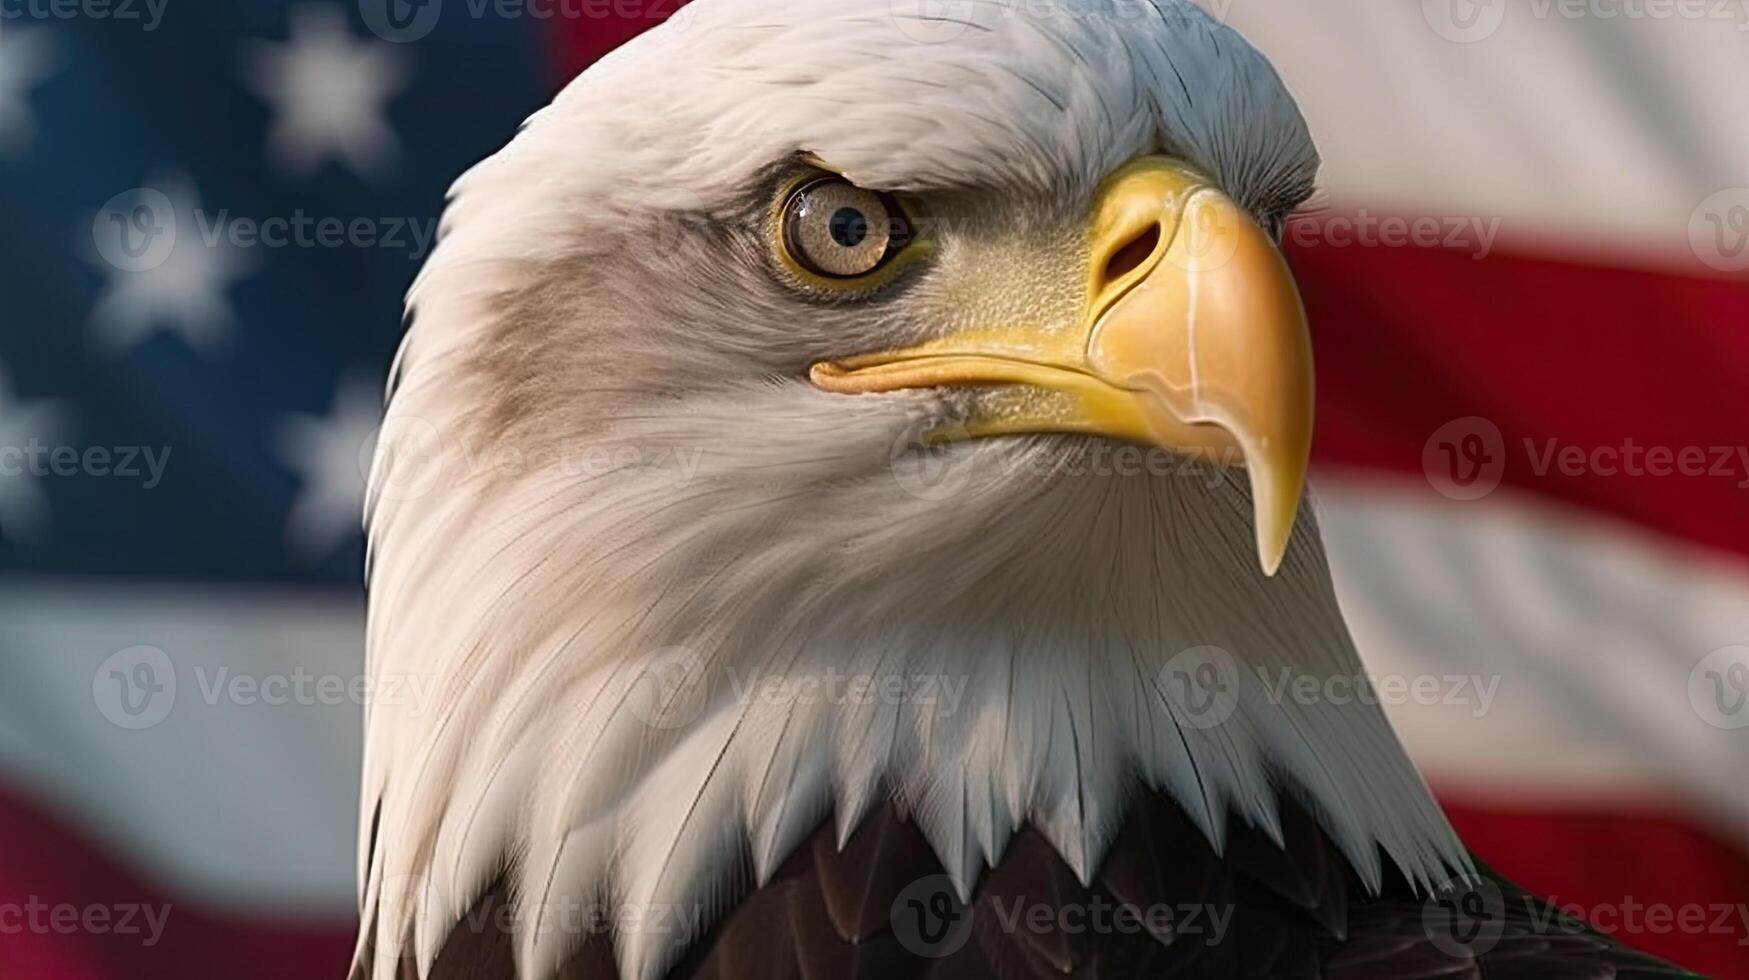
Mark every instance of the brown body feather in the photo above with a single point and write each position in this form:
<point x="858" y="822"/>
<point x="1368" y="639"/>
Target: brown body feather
<point x="1290" y="913"/>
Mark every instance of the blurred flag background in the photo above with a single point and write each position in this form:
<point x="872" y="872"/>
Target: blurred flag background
<point x="1528" y="274"/>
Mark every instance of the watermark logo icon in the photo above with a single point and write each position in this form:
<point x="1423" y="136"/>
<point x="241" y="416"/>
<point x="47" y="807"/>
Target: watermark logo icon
<point x="1464" y="21"/>
<point x="1718" y="231"/>
<point x="1465" y="917"/>
<point x="932" y="459"/>
<point x="135" y="688"/>
<point x="401" y="21"/>
<point x="670" y="690"/>
<point x="929" y="919"/>
<point x="410" y="451"/>
<point x="135" y="231"/>
<point x="933" y="21"/>
<point x="1202" y="685"/>
<point x="1465" y="459"/>
<point x="1718" y="688"/>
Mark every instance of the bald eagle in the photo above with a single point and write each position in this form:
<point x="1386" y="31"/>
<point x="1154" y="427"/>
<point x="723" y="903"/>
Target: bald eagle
<point x="844" y="479"/>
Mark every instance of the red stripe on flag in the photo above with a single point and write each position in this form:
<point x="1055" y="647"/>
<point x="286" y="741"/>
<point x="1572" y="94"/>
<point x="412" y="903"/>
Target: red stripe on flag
<point x="581" y="41"/>
<point x="1648" y="878"/>
<point x="1604" y="384"/>
<point x="69" y="911"/>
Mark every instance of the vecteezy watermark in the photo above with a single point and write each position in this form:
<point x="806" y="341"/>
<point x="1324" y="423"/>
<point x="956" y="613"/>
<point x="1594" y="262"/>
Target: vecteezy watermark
<point x="146" y="13"/>
<point x="1364" y="229"/>
<point x="1100" y="915"/>
<point x="37" y="917"/>
<point x="673" y="685"/>
<point x="413" y="457"/>
<point x="1470" y="21"/>
<point x="554" y="913"/>
<point x="1640" y="918"/>
<point x="137" y="231"/>
<point x="941" y="21"/>
<point x="1464" y="21"/>
<point x="1468" y="916"/>
<point x="935" y="459"/>
<point x="1718" y="688"/>
<point x="413" y="236"/>
<point x="670" y="689"/>
<point x="932" y="459"/>
<point x="1293" y="685"/>
<point x="929" y="919"/>
<point x="1200" y="687"/>
<point x="36" y="459"/>
<point x="405" y="21"/>
<point x="1718" y="231"/>
<point x="302" y="686"/>
<point x="1465" y="459"/>
<point x="136" y="688"/>
<point x="943" y="693"/>
<point x="1465" y="917"/>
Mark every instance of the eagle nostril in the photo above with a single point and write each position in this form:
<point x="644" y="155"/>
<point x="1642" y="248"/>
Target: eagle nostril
<point x="1130" y="257"/>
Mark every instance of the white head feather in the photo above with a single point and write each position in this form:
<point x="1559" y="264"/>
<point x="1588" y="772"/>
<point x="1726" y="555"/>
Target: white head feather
<point x="616" y="468"/>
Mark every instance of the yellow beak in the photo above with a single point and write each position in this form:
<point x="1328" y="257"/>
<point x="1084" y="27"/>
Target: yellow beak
<point x="1193" y="338"/>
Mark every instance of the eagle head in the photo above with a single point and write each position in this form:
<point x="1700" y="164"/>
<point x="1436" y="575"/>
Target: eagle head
<point x="819" y="406"/>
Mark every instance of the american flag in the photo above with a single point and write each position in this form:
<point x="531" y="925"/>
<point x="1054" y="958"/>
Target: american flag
<point x="1528" y="278"/>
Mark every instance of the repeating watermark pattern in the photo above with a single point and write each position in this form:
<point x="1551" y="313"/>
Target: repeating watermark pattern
<point x="674" y="685"/>
<point x="1470" y="21"/>
<point x="415" y="458"/>
<point x="1464" y="21"/>
<point x="1465" y="459"/>
<point x="942" y="21"/>
<point x="1473" y="235"/>
<point x="1718" y="688"/>
<point x="1099" y="915"/>
<point x="1645" y="918"/>
<point x="1718" y="231"/>
<point x="137" y="688"/>
<point x="942" y="693"/>
<point x="551" y="914"/>
<point x="1468" y="917"/>
<point x="34" y="458"/>
<point x="137" y="231"/>
<point x="936" y="459"/>
<point x="147" y="14"/>
<point x="1291" y="685"/>
<point x="931" y="459"/>
<point x="929" y="919"/>
<point x="1201" y="685"/>
<point x="406" y="21"/>
<point x="38" y="917"/>
<point x="671" y="688"/>
<point x="1465" y="917"/>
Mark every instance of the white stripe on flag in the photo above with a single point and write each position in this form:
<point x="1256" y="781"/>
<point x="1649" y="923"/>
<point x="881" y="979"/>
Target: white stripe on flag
<point x="238" y="788"/>
<point x="1596" y="126"/>
<point x="1592" y="628"/>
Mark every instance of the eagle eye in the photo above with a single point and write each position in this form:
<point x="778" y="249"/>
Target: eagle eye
<point x="836" y="230"/>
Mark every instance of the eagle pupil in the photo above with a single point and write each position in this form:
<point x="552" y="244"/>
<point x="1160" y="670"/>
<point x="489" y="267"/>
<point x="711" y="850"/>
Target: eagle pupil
<point x="849" y="227"/>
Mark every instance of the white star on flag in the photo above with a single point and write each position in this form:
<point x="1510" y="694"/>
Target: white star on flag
<point x="164" y="274"/>
<point x="26" y="58"/>
<point x="329" y="92"/>
<point x="331" y="455"/>
<point x="24" y="510"/>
